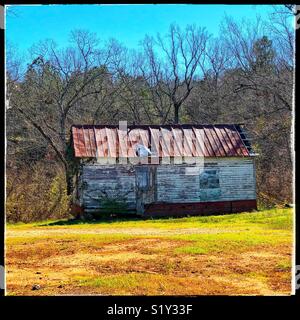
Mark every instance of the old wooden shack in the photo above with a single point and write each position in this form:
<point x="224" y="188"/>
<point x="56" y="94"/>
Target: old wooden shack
<point x="184" y="170"/>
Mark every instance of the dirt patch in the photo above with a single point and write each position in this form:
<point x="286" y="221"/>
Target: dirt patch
<point x="140" y="265"/>
<point x="37" y="231"/>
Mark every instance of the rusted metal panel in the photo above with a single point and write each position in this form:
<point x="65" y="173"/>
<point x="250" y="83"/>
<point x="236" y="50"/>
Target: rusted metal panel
<point x="112" y="142"/>
<point x="198" y="143"/>
<point x="213" y="142"/>
<point x="236" y="141"/>
<point x="87" y="140"/>
<point x="122" y="143"/>
<point x="189" y="136"/>
<point x="78" y="141"/>
<point x="155" y="141"/>
<point x="207" y="143"/>
<point x="223" y="147"/>
<point x="202" y="142"/>
<point x="164" y="141"/>
<point x="92" y="140"/>
<point x="178" y="142"/>
<point x="243" y="146"/>
<point x="134" y="139"/>
<point x="239" y="142"/>
<point x="228" y="146"/>
<point x="99" y="143"/>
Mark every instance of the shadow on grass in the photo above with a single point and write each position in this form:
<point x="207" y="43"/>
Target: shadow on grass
<point x="74" y="221"/>
<point x="109" y="219"/>
<point x="133" y="217"/>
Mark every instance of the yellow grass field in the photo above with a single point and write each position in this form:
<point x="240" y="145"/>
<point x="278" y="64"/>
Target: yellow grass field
<point x="238" y="254"/>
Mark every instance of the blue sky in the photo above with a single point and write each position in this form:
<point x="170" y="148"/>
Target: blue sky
<point x="126" y="23"/>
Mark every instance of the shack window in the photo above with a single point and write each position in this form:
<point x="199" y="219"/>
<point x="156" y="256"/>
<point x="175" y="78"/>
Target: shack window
<point x="209" y="179"/>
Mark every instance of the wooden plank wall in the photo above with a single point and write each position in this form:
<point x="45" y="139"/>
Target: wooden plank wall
<point x="115" y="180"/>
<point x="236" y="181"/>
<point x="175" y="183"/>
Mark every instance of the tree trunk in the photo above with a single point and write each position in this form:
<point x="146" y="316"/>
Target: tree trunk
<point x="176" y="113"/>
<point x="68" y="172"/>
<point x="69" y="182"/>
<point x="67" y="165"/>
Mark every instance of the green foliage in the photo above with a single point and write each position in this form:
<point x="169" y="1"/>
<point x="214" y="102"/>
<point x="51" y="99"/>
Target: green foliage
<point x="115" y="281"/>
<point x="36" y="195"/>
<point x="264" y="55"/>
<point x="58" y="199"/>
<point x="113" y="203"/>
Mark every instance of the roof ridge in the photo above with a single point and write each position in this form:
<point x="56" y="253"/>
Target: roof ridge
<point x="160" y="125"/>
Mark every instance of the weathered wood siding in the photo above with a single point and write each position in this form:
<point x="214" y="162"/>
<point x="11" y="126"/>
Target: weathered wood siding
<point x="221" y="179"/>
<point x="184" y="183"/>
<point x="115" y="180"/>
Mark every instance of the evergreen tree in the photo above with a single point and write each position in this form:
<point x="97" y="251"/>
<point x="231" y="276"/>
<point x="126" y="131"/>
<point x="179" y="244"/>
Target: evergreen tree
<point x="263" y="55"/>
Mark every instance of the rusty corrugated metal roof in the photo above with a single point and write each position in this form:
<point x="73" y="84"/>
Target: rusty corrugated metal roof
<point x="221" y="140"/>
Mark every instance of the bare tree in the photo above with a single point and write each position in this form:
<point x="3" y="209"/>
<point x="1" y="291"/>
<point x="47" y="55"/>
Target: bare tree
<point x="241" y="43"/>
<point x="56" y="84"/>
<point x="205" y="103"/>
<point x="261" y="83"/>
<point x="173" y="74"/>
<point x="14" y="65"/>
<point x="280" y="28"/>
<point x="291" y="8"/>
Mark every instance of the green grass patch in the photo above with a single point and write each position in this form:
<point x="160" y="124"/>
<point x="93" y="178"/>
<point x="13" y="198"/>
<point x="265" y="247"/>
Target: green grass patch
<point x="83" y="238"/>
<point x="124" y="281"/>
<point x="134" y="283"/>
<point x="273" y="218"/>
<point x="228" y="242"/>
<point x="228" y="232"/>
<point x="130" y="283"/>
<point x="284" y="265"/>
<point x="194" y="249"/>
